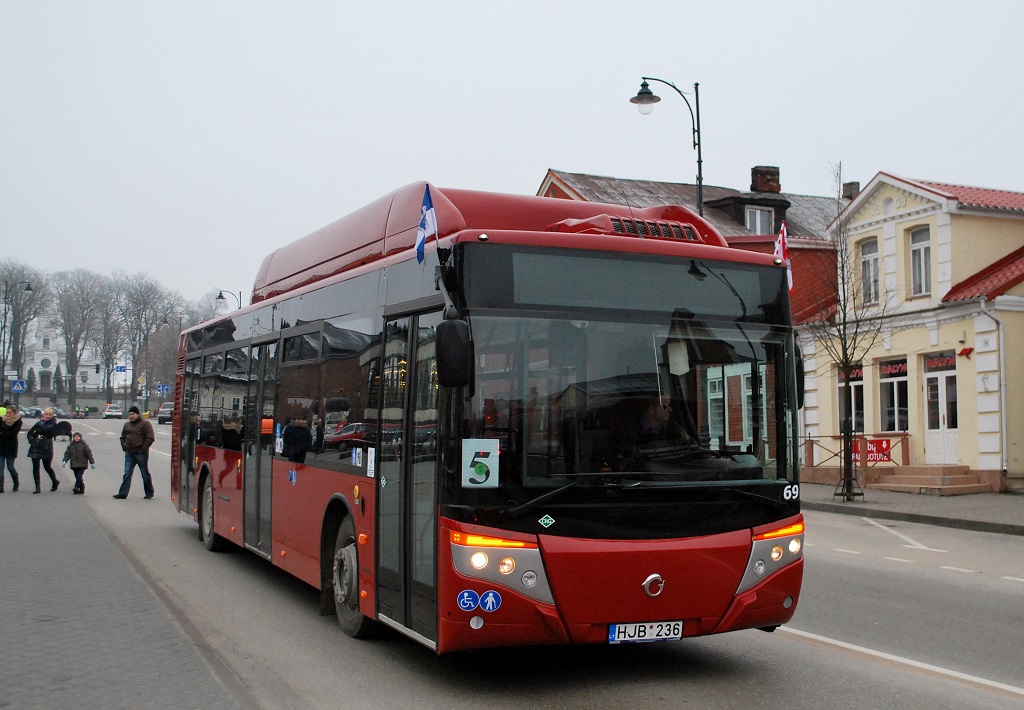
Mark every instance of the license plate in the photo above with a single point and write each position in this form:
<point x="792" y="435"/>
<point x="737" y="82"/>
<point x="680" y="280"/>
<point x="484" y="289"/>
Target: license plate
<point x="648" y="631"/>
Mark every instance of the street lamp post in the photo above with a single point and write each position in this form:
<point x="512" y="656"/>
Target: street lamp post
<point x="237" y="297"/>
<point x="645" y="100"/>
<point x="3" y="331"/>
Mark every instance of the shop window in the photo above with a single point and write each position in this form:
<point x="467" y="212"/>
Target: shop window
<point x="892" y="395"/>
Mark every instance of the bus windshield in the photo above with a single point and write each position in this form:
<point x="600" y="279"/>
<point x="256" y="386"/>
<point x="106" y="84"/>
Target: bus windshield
<point x="627" y="409"/>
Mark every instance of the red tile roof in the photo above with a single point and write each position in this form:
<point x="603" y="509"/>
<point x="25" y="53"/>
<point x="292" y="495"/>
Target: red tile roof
<point x="978" y="197"/>
<point x="992" y="281"/>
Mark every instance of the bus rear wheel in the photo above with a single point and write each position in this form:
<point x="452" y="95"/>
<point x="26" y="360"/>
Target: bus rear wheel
<point x="345" y="577"/>
<point x="212" y="541"/>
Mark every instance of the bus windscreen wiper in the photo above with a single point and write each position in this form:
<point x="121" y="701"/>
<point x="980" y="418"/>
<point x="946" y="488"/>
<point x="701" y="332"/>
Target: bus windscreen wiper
<point x="777" y="504"/>
<point x="534" y="502"/>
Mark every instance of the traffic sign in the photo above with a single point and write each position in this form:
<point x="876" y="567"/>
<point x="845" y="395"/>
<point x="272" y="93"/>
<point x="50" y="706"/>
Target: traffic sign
<point x="18" y="386"/>
<point x="142" y="380"/>
<point x="120" y="368"/>
<point x="8" y="373"/>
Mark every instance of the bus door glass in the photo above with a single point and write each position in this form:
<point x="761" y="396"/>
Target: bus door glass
<point x="407" y="454"/>
<point x="189" y="432"/>
<point x="259" y="445"/>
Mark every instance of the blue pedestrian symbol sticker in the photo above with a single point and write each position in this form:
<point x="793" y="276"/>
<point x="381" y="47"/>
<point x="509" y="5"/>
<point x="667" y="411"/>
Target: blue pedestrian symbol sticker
<point x="490" y="601"/>
<point x="468" y="600"/>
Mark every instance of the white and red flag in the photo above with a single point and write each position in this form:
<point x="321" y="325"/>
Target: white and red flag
<point x="782" y="252"/>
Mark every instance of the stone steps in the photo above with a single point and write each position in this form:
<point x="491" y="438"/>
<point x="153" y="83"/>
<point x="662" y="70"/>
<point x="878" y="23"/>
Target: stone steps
<point x="921" y="480"/>
<point x="929" y="480"/>
<point x="929" y="489"/>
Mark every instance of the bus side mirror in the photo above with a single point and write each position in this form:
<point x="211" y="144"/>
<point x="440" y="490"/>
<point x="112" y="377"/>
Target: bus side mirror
<point x="454" y="351"/>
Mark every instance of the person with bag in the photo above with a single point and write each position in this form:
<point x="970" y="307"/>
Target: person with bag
<point x="79" y="455"/>
<point x="136" y="438"/>
<point x="10" y="425"/>
<point x="40" y="447"/>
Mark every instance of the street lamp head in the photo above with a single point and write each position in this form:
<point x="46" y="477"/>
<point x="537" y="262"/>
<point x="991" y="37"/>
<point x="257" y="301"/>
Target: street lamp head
<point x="645" y="99"/>
<point x="237" y="297"/>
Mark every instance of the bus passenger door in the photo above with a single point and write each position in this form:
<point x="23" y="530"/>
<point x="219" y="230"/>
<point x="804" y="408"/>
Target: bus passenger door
<point x="259" y="446"/>
<point x="188" y="432"/>
<point x="407" y="456"/>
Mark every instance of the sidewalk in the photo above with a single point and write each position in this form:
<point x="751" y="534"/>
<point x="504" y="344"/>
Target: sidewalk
<point x="80" y="628"/>
<point x="985" y="512"/>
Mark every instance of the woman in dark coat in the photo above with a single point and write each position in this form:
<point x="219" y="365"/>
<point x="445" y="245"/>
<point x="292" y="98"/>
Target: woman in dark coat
<point x="40" y="447"/>
<point x="10" y="425"/>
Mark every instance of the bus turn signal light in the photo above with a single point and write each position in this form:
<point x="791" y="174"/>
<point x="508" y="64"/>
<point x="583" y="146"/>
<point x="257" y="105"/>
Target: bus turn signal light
<point x="471" y="540"/>
<point x="795" y="529"/>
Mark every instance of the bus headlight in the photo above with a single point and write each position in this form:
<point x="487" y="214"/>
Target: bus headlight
<point x="770" y="552"/>
<point x="471" y="558"/>
<point x="478" y="560"/>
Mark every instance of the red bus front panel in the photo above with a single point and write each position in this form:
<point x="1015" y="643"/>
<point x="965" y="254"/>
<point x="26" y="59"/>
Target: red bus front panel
<point x="595" y="584"/>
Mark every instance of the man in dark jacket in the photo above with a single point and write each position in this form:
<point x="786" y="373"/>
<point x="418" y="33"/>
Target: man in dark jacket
<point x="136" y="438"/>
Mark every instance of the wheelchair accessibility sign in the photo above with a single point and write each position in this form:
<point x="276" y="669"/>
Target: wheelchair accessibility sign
<point x="488" y="601"/>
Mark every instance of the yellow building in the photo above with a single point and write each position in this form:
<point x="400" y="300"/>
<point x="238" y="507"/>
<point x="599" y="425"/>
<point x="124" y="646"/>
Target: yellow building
<point x="940" y="392"/>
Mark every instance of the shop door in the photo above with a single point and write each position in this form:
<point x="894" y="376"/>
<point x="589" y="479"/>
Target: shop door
<point x="259" y="447"/>
<point x="940" y="443"/>
<point x="407" y="457"/>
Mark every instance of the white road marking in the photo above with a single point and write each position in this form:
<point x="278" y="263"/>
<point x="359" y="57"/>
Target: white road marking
<point x="898" y="559"/>
<point x="910" y="541"/>
<point x="849" y="552"/>
<point x="1013" y="579"/>
<point x="957" y="569"/>
<point x="906" y="661"/>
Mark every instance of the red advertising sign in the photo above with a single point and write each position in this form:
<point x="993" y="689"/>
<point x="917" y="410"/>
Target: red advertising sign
<point x="878" y="450"/>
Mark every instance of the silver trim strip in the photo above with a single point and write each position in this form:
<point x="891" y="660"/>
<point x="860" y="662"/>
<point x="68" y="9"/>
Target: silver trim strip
<point x="432" y="645"/>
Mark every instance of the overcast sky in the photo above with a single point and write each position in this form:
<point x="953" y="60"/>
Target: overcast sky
<point x="190" y="139"/>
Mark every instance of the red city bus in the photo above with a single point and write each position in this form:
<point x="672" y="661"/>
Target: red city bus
<point x="576" y="424"/>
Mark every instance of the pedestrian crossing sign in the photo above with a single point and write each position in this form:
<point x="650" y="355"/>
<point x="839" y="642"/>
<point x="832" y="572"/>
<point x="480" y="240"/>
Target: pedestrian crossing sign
<point x="18" y="386"/>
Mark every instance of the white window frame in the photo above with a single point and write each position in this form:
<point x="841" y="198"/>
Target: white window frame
<point x="869" y="271"/>
<point x="756" y="217"/>
<point x="920" y="262"/>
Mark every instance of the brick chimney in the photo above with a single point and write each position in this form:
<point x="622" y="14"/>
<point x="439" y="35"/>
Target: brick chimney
<point x="764" y="178"/>
<point x="850" y="190"/>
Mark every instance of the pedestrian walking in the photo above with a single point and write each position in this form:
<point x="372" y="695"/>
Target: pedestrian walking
<point x="79" y="455"/>
<point x="40" y="447"/>
<point x="136" y="438"/>
<point x="10" y="426"/>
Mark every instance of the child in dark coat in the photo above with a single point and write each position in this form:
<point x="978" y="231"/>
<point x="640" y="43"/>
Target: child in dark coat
<point x="80" y="456"/>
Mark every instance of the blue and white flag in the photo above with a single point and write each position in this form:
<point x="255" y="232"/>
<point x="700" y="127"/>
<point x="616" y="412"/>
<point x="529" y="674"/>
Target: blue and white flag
<point x="428" y="224"/>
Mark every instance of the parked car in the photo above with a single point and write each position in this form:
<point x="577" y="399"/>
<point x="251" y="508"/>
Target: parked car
<point x="113" y="412"/>
<point x="165" y="414"/>
<point x="30" y="411"/>
<point x="345" y="438"/>
<point x="59" y="413"/>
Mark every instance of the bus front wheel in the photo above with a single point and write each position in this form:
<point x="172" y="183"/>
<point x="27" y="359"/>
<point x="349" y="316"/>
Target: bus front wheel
<point x="212" y="541"/>
<point x="346" y="583"/>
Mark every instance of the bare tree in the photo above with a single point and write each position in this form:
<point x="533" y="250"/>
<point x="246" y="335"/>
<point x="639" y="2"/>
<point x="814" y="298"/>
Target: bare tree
<point x="109" y="335"/>
<point x="21" y="308"/>
<point x="144" y="305"/>
<point x="77" y="296"/>
<point x="849" y="326"/>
